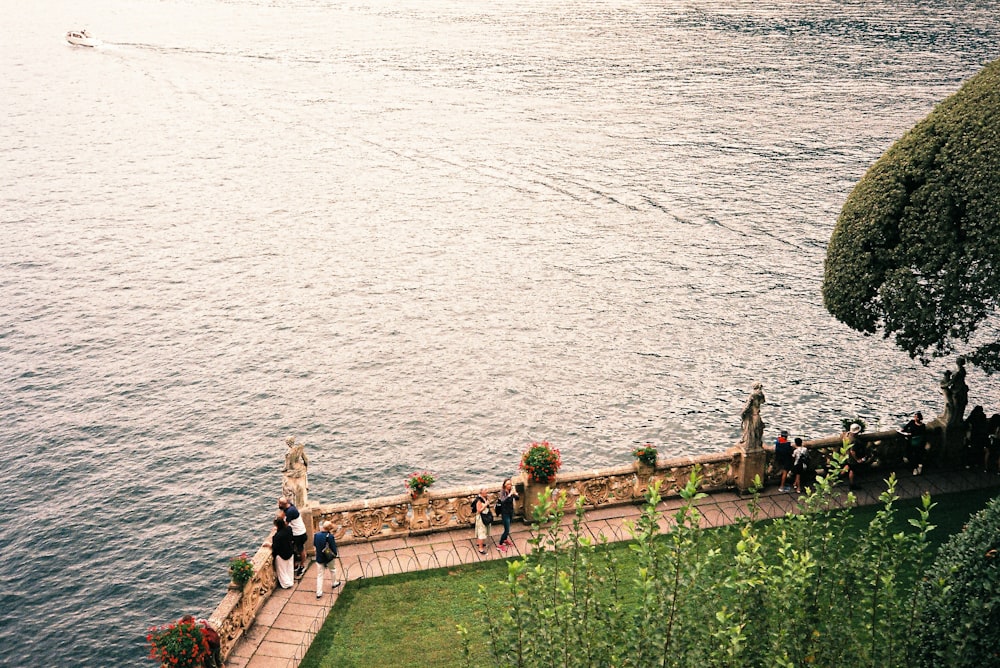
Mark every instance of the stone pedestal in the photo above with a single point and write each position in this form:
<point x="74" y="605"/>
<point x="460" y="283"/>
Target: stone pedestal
<point x="532" y="490"/>
<point x="747" y="465"/>
<point x="420" y="520"/>
<point x="643" y="474"/>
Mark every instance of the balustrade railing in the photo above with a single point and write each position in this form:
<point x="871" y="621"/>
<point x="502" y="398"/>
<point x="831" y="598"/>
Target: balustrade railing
<point x="240" y="606"/>
<point x="399" y="516"/>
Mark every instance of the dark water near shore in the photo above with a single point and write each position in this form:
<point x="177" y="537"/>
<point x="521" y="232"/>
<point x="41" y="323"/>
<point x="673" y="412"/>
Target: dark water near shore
<point x="415" y="234"/>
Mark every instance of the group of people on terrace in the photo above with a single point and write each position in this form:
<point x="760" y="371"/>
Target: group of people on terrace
<point x="793" y="459"/>
<point x="503" y="510"/>
<point x="288" y="548"/>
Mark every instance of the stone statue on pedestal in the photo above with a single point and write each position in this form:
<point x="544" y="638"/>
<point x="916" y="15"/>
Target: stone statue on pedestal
<point x="295" y="476"/>
<point x="956" y="394"/>
<point x="753" y="425"/>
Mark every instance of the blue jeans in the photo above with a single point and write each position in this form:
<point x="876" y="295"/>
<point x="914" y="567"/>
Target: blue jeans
<point x="506" y="527"/>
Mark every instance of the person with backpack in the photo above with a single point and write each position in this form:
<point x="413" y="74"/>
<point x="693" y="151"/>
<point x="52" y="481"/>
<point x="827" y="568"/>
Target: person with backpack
<point x="484" y="518"/>
<point x="326" y="555"/>
<point x="800" y="463"/>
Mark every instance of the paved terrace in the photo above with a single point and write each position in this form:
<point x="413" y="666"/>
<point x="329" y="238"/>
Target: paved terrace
<point x="289" y="620"/>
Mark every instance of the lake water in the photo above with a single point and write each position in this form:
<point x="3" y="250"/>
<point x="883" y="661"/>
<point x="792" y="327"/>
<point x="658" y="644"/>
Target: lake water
<point x="416" y="234"/>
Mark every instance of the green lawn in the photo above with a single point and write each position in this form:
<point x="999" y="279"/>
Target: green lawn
<point x="410" y="619"/>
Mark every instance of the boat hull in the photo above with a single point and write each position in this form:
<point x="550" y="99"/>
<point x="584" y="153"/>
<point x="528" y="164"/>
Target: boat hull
<point x="82" y="40"/>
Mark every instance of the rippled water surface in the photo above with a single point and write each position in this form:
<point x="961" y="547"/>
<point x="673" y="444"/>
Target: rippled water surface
<point x="416" y="234"/>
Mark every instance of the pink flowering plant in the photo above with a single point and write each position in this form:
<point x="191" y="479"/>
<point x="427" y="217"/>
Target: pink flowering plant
<point x="419" y="482"/>
<point x="541" y="461"/>
<point x="646" y="454"/>
<point x="240" y="569"/>
<point x="179" y="644"/>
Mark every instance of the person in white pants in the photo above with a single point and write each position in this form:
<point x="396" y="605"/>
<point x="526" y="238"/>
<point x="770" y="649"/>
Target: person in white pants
<point x="326" y="556"/>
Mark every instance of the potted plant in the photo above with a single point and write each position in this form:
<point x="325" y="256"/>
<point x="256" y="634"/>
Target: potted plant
<point x="541" y="462"/>
<point x="419" y="482"/>
<point x="179" y="644"/>
<point x="645" y="466"/>
<point x="646" y="455"/>
<point x="240" y="570"/>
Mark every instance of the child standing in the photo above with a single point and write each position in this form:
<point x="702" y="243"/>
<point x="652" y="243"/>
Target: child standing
<point x="800" y="460"/>
<point x="783" y="458"/>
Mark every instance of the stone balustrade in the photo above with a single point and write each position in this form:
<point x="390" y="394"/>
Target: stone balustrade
<point x="240" y="606"/>
<point x="403" y="515"/>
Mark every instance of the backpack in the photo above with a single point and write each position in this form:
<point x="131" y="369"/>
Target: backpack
<point x="328" y="553"/>
<point x="475" y="502"/>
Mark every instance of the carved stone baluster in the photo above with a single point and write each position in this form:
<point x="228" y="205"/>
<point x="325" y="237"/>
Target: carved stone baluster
<point x="419" y="521"/>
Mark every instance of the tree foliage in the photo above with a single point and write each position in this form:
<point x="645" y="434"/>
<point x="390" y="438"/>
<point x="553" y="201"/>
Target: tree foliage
<point x="958" y="609"/>
<point x="801" y="590"/>
<point x="916" y="248"/>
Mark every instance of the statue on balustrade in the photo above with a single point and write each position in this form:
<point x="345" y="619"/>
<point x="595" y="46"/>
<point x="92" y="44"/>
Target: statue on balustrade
<point x="753" y="425"/>
<point x="295" y="477"/>
<point x="956" y="394"/>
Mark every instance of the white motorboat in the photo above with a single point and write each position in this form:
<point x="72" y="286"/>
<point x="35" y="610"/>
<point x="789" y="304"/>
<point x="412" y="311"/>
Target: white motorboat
<point x="82" y="38"/>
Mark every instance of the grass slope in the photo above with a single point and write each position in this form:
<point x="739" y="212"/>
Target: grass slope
<point x="409" y="619"/>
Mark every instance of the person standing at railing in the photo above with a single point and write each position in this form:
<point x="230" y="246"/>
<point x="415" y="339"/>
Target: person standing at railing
<point x="325" y="558"/>
<point x="282" y="551"/>
<point x="505" y="501"/>
<point x="857" y="455"/>
<point x="800" y="462"/>
<point x="211" y="636"/>
<point x="294" y="520"/>
<point x="977" y="438"/>
<point x="992" y="454"/>
<point x="916" y="430"/>
<point x="482" y="526"/>
<point x="782" y="450"/>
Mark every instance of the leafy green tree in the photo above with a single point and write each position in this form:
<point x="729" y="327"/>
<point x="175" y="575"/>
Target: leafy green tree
<point x="915" y="252"/>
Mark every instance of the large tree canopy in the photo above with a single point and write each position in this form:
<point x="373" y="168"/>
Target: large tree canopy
<point x="916" y="250"/>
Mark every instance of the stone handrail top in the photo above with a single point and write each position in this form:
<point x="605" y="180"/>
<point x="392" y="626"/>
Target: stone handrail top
<point x="829" y="441"/>
<point x="396" y="499"/>
<point x="493" y="488"/>
<point x="572" y="476"/>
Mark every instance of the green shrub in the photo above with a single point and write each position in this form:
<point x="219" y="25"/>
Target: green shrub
<point x="958" y="604"/>
<point x="801" y="590"/>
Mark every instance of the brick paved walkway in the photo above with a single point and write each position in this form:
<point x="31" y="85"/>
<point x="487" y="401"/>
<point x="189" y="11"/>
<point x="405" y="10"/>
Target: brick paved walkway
<point x="290" y="619"/>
